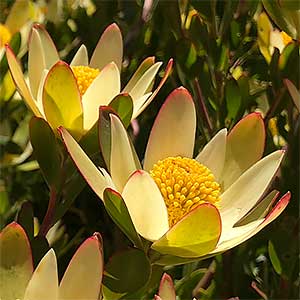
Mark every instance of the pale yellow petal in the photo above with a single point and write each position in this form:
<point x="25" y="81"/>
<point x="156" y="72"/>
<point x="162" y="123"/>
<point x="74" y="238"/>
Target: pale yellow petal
<point x="109" y="48"/>
<point x="141" y="87"/>
<point x="88" y="170"/>
<point x="44" y="281"/>
<point x="249" y="188"/>
<point x="173" y="132"/>
<point x="146" y="206"/>
<point x="81" y="57"/>
<point x="82" y="278"/>
<point x="245" y="146"/>
<point x="102" y="90"/>
<point x="123" y="160"/>
<point x="234" y="237"/>
<point x="17" y="75"/>
<point x="213" y="154"/>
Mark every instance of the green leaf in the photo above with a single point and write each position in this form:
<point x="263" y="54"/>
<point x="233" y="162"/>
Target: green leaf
<point x="104" y="132"/>
<point x="286" y="15"/>
<point x="224" y="59"/>
<point x="233" y="99"/>
<point x="89" y="142"/>
<point x="4" y="203"/>
<point x="186" y="54"/>
<point x="46" y="150"/>
<point x="116" y="208"/>
<point x="125" y="273"/>
<point x="274" y="68"/>
<point x="171" y="11"/>
<point x="171" y="260"/>
<point x="7" y="88"/>
<point x="25" y="218"/>
<point x="274" y="258"/>
<point x="74" y="182"/>
<point x="14" y="44"/>
<point x="285" y="57"/>
<point x="235" y="29"/>
<point x="204" y="8"/>
<point x="70" y="191"/>
<point x="123" y="106"/>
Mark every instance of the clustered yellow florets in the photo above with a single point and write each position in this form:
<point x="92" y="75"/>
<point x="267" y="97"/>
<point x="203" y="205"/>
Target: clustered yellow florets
<point x="184" y="184"/>
<point x="84" y="76"/>
<point x="5" y="35"/>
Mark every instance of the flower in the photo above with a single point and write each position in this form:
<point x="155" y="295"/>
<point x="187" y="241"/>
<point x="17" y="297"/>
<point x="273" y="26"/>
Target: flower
<point x="20" y="18"/>
<point x="270" y="38"/>
<point x="82" y="278"/>
<point x="188" y="208"/>
<point x="15" y="31"/>
<point x="69" y="95"/>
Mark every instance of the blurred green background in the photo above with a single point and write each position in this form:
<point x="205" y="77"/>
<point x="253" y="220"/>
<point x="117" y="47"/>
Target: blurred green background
<point x="223" y="55"/>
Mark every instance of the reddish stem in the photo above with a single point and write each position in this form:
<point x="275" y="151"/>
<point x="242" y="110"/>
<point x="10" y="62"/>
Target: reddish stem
<point x="48" y="219"/>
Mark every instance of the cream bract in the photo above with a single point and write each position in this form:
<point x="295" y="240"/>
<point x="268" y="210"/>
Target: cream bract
<point x="70" y="95"/>
<point x="81" y="280"/>
<point x="234" y="159"/>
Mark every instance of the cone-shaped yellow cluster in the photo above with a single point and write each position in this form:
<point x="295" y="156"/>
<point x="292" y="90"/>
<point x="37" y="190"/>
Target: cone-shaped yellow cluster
<point x="184" y="184"/>
<point x="84" y="76"/>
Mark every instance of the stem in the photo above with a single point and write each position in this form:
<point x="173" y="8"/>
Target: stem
<point x="203" y="106"/>
<point x="273" y="108"/>
<point x="214" y="27"/>
<point x="205" y="280"/>
<point x="48" y="219"/>
<point x="259" y="291"/>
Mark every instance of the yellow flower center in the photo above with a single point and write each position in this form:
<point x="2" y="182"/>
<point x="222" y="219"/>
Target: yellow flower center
<point x="84" y="76"/>
<point x="5" y="35"/>
<point x="184" y="184"/>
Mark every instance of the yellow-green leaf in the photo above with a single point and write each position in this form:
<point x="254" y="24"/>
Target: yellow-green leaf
<point x="274" y="258"/>
<point x="123" y="106"/>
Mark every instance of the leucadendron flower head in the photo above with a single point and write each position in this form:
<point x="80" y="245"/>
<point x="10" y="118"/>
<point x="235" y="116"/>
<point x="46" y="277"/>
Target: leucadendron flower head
<point x="20" y="18"/>
<point x="70" y="95"/>
<point x="270" y="38"/>
<point x="19" y="280"/>
<point x="187" y="207"/>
